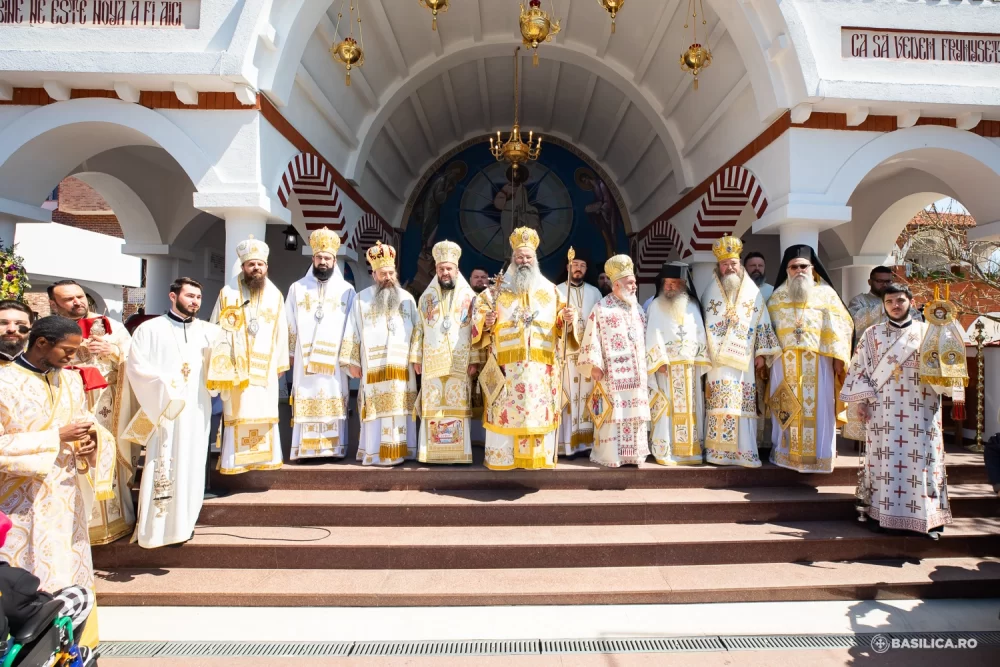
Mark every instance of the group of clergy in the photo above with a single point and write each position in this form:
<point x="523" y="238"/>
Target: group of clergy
<point x="546" y="369"/>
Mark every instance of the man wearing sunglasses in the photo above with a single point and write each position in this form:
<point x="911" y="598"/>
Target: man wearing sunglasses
<point x="15" y="324"/>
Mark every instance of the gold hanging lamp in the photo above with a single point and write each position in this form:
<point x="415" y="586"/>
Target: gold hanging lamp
<point x="515" y="151"/>
<point x="537" y="26"/>
<point x="349" y="51"/>
<point x="436" y="7"/>
<point x="612" y="7"/>
<point x="697" y="57"/>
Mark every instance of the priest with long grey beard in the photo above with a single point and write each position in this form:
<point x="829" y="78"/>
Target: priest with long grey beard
<point x="613" y="353"/>
<point x="376" y="350"/>
<point x="676" y="359"/>
<point x="815" y="331"/>
<point x="741" y="343"/>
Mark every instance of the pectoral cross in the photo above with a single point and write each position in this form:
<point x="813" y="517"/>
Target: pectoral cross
<point x="185" y="371"/>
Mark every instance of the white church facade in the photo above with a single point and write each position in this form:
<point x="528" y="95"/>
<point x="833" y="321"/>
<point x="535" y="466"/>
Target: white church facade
<point x="200" y="123"/>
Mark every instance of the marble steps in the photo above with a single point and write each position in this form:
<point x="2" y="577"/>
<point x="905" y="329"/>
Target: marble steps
<point x="572" y="473"/>
<point x="263" y="587"/>
<point x="496" y="547"/>
<point x="529" y="507"/>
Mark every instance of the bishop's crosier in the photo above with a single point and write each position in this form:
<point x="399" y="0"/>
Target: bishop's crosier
<point x="517" y="324"/>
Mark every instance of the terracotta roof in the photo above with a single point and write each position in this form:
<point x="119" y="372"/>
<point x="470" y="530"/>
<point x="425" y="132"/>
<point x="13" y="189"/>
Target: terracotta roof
<point x="950" y="219"/>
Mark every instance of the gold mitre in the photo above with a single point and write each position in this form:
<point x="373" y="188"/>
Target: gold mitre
<point x="727" y="247"/>
<point x="618" y="267"/>
<point x="324" y="240"/>
<point x="446" y="251"/>
<point x="381" y="256"/>
<point x="524" y="237"/>
<point x="252" y="249"/>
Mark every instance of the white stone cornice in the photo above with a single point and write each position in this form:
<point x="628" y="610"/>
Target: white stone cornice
<point x="185" y="93"/>
<point x="57" y="90"/>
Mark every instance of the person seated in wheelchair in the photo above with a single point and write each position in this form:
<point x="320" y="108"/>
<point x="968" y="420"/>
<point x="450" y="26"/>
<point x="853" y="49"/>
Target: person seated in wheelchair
<point x="33" y="626"/>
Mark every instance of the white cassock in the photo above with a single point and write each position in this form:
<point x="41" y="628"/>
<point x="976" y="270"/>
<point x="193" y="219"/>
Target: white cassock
<point x="576" y="430"/>
<point x="739" y="330"/>
<point x="249" y="388"/>
<point x="168" y="372"/>
<point x="380" y="345"/>
<point x="676" y="402"/>
<point x="317" y="315"/>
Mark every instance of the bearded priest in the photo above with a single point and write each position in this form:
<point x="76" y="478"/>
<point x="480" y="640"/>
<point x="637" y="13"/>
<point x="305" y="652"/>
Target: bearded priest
<point x="101" y="361"/>
<point x="815" y="331"/>
<point x="517" y="324"/>
<point x="740" y="343"/>
<point x="317" y="309"/>
<point x="576" y="431"/>
<point x="167" y="370"/>
<point x="376" y="349"/>
<point x="613" y="353"/>
<point x="441" y="352"/>
<point x="676" y="360"/>
<point x="248" y="357"/>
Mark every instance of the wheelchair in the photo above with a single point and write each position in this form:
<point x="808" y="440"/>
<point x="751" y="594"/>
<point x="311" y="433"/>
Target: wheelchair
<point x="46" y="640"/>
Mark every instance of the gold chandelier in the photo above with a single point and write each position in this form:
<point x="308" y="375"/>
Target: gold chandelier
<point x="697" y="57"/>
<point x="537" y="26"/>
<point x="612" y="7"/>
<point x="436" y="7"/>
<point x="514" y="150"/>
<point x="349" y="51"/>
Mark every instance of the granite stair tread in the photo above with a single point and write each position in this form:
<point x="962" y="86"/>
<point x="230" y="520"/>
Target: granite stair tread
<point x="554" y="497"/>
<point x="583" y="585"/>
<point x="557" y="535"/>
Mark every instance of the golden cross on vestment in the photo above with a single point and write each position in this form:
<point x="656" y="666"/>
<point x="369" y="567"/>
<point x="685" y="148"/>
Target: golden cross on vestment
<point x="185" y="371"/>
<point x="306" y="302"/>
<point x="253" y="439"/>
<point x="897" y="374"/>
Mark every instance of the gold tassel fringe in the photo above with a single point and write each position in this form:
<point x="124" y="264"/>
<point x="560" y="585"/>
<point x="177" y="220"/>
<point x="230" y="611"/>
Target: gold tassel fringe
<point x="391" y="452"/>
<point x="316" y="368"/>
<point x="387" y="373"/>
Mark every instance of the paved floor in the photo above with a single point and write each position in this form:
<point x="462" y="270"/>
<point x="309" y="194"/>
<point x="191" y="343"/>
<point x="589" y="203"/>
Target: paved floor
<point x="817" y="658"/>
<point x="542" y="622"/>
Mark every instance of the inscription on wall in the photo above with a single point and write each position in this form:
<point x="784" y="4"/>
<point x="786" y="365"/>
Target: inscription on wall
<point x="101" y="13"/>
<point x="955" y="47"/>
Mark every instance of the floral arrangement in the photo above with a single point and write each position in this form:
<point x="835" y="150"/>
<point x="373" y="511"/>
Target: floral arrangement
<point x="13" y="277"/>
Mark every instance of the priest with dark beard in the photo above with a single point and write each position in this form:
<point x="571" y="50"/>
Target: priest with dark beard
<point x="376" y="350"/>
<point x="317" y="308"/>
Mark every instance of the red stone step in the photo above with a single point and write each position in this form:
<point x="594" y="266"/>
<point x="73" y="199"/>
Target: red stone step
<point x="509" y="507"/>
<point x="474" y="547"/>
<point x="571" y="473"/>
<point x="959" y="577"/>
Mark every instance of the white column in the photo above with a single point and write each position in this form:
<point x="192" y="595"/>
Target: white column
<point x="240" y="224"/>
<point x="855" y="280"/>
<point x="795" y="233"/>
<point x="8" y="224"/>
<point x="160" y="272"/>
<point x="703" y="265"/>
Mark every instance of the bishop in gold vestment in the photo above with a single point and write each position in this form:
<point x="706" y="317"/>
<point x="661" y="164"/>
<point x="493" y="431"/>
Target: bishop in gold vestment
<point x="814" y="329"/>
<point x="518" y="324"/>
<point x="103" y="354"/>
<point x="47" y="488"/>
<point x="441" y="352"/>
<point x="376" y="350"/>
<point x="247" y="361"/>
